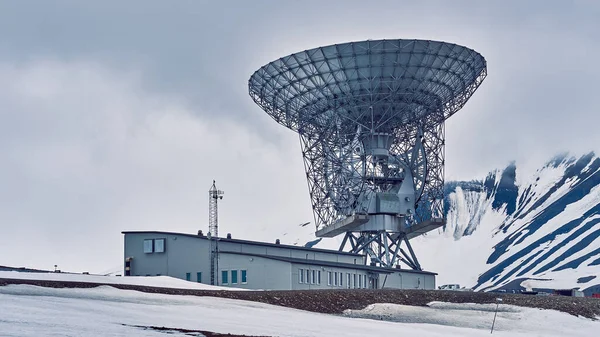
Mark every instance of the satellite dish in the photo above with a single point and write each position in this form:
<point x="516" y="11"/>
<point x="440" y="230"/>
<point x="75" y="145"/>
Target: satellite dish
<point x="370" y="116"/>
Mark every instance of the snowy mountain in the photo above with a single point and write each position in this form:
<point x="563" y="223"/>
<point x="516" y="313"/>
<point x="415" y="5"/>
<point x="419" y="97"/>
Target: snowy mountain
<point x="515" y="230"/>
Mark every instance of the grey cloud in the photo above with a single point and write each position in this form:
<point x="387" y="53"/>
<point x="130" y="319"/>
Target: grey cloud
<point x="146" y="102"/>
<point x="92" y="154"/>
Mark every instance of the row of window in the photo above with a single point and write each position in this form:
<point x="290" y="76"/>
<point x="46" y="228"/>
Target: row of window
<point x="225" y="279"/>
<point x="154" y="246"/>
<point x="225" y="276"/>
<point x="188" y="277"/>
<point x="333" y="278"/>
<point x="309" y="276"/>
<point x="351" y="281"/>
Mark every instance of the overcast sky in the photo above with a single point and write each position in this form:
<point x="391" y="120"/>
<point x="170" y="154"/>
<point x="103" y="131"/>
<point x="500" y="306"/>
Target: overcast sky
<point x="117" y="115"/>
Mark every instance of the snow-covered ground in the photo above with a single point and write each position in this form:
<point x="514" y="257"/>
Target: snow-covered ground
<point x="27" y="310"/>
<point x="510" y="319"/>
<point x="150" y="281"/>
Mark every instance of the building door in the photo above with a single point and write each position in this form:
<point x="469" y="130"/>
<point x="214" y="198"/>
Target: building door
<point x="128" y="266"/>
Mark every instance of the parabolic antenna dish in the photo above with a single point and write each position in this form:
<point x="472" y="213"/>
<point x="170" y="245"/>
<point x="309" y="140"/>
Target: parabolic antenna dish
<point x="401" y="81"/>
<point x="370" y="116"/>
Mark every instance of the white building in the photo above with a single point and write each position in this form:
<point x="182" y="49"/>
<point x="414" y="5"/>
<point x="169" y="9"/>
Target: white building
<point x="259" y="265"/>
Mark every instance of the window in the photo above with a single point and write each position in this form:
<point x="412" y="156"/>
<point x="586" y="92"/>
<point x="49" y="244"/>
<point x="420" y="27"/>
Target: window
<point x="360" y="281"/>
<point x="234" y="277"/>
<point x="199" y="277"/>
<point x="312" y="277"/>
<point x="154" y="246"/>
<point x="224" y="278"/>
<point x="328" y="278"/>
<point x="188" y="276"/>
<point x="354" y="281"/>
<point x="244" y="277"/>
<point x="341" y="279"/>
<point x="301" y="276"/>
<point x="348" y="281"/>
<point x="307" y="276"/>
<point x="365" y="281"/>
<point x="335" y="278"/>
<point x="148" y="246"/>
<point x="318" y="277"/>
<point x="159" y="245"/>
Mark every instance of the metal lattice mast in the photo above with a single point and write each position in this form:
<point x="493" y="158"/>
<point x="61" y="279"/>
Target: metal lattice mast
<point x="213" y="217"/>
<point x="213" y="230"/>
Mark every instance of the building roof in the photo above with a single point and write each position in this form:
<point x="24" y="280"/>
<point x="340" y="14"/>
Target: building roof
<point x="331" y="264"/>
<point x="248" y="242"/>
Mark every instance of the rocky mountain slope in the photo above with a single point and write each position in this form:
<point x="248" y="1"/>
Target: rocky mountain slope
<point x="512" y="230"/>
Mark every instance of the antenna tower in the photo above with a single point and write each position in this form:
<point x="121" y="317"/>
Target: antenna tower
<point x="213" y="217"/>
<point x="213" y="230"/>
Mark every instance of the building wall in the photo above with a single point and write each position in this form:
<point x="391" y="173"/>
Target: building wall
<point x="300" y="283"/>
<point x="407" y="280"/>
<point x="592" y="290"/>
<point x="183" y="254"/>
<point x="261" y="273"/>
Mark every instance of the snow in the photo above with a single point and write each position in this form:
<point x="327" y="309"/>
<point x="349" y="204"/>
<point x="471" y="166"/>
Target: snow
<point x="563" y="279"/>
<point x="455" y="259"/>
<point x="581" y="252"/>
<point x="150" y="281"/>
<point x="541" y="182"/>
<point x="587" y="167"/>
<point x="32" y="311"/>
<point x="571" y="212"/>
<point x="510" y="318"/>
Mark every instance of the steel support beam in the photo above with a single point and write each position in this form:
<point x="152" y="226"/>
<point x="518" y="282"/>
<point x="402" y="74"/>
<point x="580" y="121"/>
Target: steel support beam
<point x="382" y="247"/>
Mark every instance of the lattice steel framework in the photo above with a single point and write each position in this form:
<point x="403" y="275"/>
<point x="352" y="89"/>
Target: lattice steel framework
<point x="213" y="209"/>
<point x="383" y="248"/>
<point x="214" y="195"/>
<point x="397" y="92"/>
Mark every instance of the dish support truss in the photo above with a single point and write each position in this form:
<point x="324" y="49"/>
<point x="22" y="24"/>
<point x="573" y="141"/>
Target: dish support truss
<point x="335" y="180"/>
<point x="346" y="181"/>
<point x="382" y="248"/>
